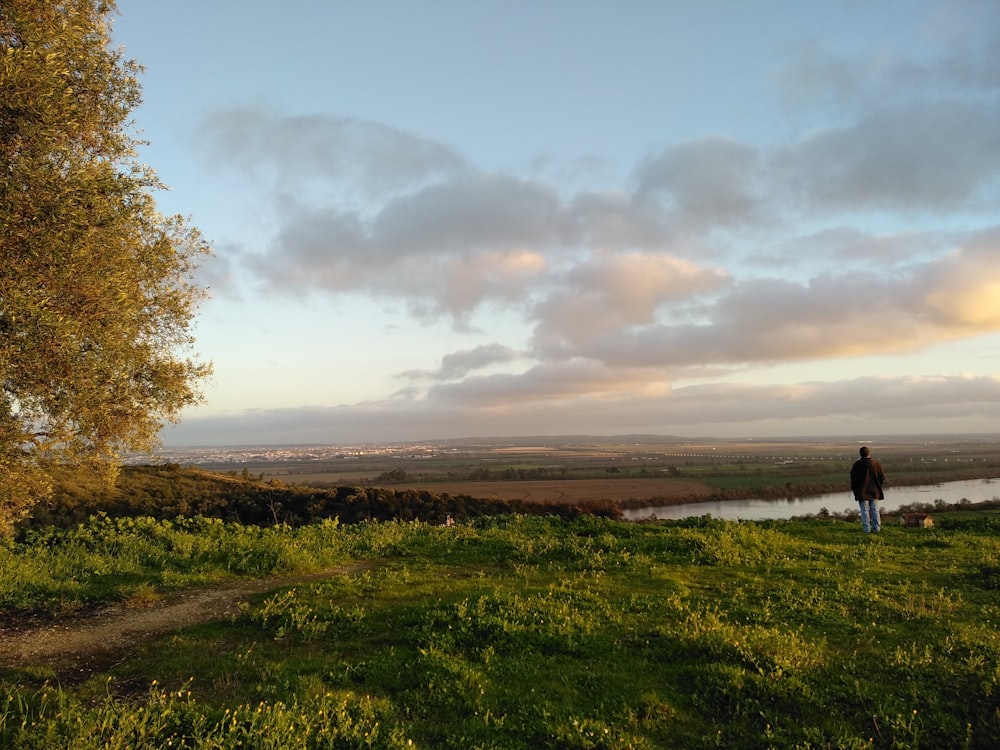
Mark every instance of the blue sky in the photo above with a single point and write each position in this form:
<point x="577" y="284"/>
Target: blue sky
<point x="700" y="218"/>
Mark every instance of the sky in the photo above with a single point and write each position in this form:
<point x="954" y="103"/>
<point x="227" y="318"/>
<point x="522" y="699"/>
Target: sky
<point x="481" y="218"/>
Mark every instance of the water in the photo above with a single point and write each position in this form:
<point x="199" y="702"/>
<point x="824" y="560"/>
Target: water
<point x="975" y="490"/>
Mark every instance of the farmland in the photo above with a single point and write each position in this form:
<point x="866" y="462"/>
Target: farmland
<point x="632" y="471"/>
<point x="566" y="491"/>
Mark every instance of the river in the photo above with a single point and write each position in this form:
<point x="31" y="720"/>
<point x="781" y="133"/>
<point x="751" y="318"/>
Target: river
<point x="974" y="490"/>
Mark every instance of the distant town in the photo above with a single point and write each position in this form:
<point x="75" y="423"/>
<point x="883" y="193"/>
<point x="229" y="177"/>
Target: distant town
<point x="910" y="447"/>
<point x="258" y="454"/>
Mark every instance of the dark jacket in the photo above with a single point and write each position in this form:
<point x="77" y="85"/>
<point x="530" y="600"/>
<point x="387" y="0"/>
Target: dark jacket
<point x="867" y="479"/>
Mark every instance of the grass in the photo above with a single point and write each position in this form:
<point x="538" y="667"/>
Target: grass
<point x="525" y="632"/>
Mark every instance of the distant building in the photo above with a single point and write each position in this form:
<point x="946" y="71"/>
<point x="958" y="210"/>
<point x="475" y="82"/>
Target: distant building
<point x="919" y="520"/>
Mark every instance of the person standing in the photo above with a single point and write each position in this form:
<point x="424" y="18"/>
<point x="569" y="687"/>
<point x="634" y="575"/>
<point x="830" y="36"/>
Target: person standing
<point x="867" y="478"/>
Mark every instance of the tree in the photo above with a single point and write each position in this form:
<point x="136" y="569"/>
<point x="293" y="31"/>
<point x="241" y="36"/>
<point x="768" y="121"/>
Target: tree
<point x="97" y="293"/>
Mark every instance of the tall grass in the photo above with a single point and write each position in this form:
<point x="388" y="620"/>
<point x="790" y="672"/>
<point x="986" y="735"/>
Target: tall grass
<point x="524" y="632"/>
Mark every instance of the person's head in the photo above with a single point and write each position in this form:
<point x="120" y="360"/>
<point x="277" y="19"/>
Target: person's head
<point x="864" y="451"/>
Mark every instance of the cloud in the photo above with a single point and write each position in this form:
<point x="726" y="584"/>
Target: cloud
<point x="961" y="291"/>
<point x="218" y="273"/>
<point x="897" y="131"/>
<point x="483" y="211"/>
<point x="915" y="404"/>
<point x="922" y="156"/>
<point x="447" y="247"/>
<point x="562" y="382"/>
<point x="460" y="364"/>
<point x="710" y="182"/>
<point x="296" y="148"/>
<point x="716" y="256"/>
<point x="613" y="219"/>
<point x="621" y="278"/>
<point x="611" y="293"/>
<point x="768" y="320"/>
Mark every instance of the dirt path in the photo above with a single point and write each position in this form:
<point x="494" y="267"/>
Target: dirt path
<point x="78" y="646"/>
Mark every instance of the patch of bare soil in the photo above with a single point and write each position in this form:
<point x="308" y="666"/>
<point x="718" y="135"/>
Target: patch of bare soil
<point x="77" y="646"/>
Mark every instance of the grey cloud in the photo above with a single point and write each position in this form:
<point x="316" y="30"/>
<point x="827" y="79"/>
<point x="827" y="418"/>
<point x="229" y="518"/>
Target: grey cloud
<point x="459" y="216"/>
<point x="877" y="399"/>
<point x="552" y="381"/>
<point x="456" y="243"/>
<point x="218" y="274"/>
<point x="853" y="247"/>
<point x="915" y="404"/>
<point x="821" y="76"/>
<point x="616" y="219"/>
<point x="978" y="70"/>
<point x="709" y="182"/>
<point x="367" y="154"/>
<point x="627" y="276"/>
<point x="461" y="363"/>
<point x="482" y="211"/>
<point x="315" y="250"/>
<point x="912" y="133"/>
<point x="926" y="156"/>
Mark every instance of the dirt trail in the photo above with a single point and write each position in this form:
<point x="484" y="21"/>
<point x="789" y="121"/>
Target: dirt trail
<point x="79" y="645"/>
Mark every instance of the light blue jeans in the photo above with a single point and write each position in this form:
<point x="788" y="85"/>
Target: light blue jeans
<point x="870" y="519"/>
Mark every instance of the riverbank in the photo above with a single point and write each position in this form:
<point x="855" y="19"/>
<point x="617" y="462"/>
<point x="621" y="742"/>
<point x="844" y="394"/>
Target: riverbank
<point x="799" y="490"/>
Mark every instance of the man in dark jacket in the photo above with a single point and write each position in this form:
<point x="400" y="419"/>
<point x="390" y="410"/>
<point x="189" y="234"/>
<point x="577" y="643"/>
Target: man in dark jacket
<point x="866" y="482"/>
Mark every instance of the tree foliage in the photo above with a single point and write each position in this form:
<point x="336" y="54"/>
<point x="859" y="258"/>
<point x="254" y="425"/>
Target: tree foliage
<point x="96" y="287"/>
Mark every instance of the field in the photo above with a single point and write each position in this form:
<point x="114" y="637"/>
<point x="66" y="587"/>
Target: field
<point x="634" y="471"/>
<point x="509" y="631"/>
<point x="567" y="491"/>
<point x="516" y="632"/>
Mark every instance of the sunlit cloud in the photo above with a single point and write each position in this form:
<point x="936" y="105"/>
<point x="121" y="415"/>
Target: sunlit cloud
<point x="963" y="287"/>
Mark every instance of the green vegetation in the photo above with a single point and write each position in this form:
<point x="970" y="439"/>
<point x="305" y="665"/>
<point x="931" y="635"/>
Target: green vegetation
<point x="528" y="631"/>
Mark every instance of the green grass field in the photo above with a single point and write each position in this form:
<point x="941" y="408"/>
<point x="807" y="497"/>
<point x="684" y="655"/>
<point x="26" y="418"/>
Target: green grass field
<point x="527" y="632"/>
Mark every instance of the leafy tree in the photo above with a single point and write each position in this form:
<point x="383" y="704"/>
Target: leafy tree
<point x="96" y="287"/>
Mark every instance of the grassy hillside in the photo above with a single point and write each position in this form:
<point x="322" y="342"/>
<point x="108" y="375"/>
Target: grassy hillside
<point x="527" y="632"/>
